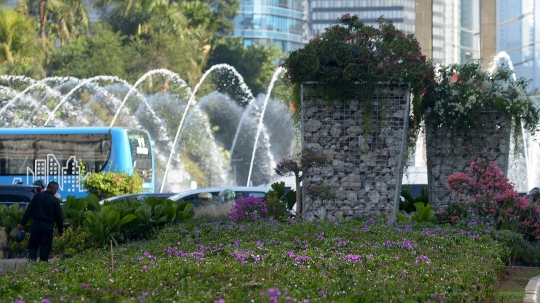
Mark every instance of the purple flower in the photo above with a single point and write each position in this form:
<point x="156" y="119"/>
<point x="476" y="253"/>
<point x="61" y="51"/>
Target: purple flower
<point x="84" y="285"/>
<point x="46" y="300"/>
<point x="352" y="258"/>
<point x="274" y="292"/>
<point x="406" y="244"/>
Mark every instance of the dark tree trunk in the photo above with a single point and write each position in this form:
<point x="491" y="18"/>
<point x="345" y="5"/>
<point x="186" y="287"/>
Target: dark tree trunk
<point x="42" y="17"/>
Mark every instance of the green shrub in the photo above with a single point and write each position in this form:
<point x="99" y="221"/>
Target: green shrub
<point x="408" y="204"/>
<point x="106" y="184"/>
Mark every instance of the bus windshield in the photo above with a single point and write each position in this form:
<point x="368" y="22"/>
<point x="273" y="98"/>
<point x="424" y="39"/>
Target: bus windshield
<point x="141" y="153"/>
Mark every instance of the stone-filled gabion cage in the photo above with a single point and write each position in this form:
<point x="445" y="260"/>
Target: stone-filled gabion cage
<point x="449" y="152"/>
<point x="367" y="161"/>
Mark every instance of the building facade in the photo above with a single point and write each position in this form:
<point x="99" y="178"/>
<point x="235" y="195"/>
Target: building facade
<point x="456" y="30"/>
<point x="280" y="21"/>
<point x="518" y="31"/>
<point x="324" y="13"/>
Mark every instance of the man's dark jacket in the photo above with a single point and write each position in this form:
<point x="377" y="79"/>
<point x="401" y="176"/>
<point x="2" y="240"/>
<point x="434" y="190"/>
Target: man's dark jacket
<point x="45" y="207"/>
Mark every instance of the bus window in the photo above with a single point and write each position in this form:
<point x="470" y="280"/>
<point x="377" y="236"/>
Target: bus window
<point x="65" y="148"/>
<point x="54" y="154"/>
<point x="16" y="153"/>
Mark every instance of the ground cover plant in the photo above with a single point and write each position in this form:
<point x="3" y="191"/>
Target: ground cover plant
<point x="357" y="260"/>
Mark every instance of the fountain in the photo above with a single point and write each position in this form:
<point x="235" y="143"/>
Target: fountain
<point x="201" y="149"/>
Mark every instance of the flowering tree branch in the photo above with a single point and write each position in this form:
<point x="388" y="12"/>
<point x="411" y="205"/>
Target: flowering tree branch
<point x="305" y="160"/>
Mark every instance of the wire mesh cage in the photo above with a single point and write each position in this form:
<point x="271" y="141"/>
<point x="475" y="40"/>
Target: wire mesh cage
<point x="365" y="139"/>
<point x="453" y="150"/>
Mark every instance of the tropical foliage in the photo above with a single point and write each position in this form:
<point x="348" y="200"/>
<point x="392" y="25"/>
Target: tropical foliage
<point x="89" y="224"/>
<point x="19" y="50"/>
<point x="131" y="38"/>
<point x="58" y="19"/>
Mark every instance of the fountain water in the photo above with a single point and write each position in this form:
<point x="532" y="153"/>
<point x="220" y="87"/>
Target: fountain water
<point x="191" y="101"/>
<point x="274" y="78"/>
<point x="526" y="158"/>
<point x="205" y="138"/>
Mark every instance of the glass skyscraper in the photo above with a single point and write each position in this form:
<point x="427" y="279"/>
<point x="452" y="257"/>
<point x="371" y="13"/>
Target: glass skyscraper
<point x="456" y="30"/>
<point x="518" y="34"/>
<point x="281" y="21"/>
<point x="324" y="13"/>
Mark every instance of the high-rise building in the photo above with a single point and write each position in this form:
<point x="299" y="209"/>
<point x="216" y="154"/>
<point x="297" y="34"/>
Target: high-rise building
<point x="279" y="21"/>
<point x="518" y="31"/>
<point x="450" y="28"/>
<point x="456" y="30"/>
<point x="324" y="13"/>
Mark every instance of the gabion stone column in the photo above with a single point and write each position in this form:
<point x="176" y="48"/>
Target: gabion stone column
<point x="448" y="152"/>
<point x="367" y="161"/>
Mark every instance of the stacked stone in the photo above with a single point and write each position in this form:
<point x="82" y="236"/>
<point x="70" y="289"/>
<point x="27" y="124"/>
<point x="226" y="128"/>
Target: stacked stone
<point x="449" y="152"/>
<point x="366" y="160"/>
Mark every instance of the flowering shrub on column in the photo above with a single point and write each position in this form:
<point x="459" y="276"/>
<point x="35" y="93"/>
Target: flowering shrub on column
<point x="489" y="193"/>
<point x="486" y="189"/>
<point x="305" y="160"/>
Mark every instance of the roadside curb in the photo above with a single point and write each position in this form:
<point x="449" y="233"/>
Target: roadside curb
<point x="532" y="291"/>
<point x="13" y="264"/>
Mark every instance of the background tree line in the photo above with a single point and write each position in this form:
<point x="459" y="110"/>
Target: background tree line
<point x="41" y="38"/>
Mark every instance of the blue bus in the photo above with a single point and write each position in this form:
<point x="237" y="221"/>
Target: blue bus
<point x="55" y="154"/>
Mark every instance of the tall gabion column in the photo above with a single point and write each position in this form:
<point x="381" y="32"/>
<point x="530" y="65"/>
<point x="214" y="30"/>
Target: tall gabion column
<point x="367" y="160"/>
<point x="448" y="152"/>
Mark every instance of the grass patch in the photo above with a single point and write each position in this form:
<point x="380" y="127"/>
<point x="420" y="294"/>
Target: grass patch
<point x="364" y="260"/>
<point x="512" y="283"/>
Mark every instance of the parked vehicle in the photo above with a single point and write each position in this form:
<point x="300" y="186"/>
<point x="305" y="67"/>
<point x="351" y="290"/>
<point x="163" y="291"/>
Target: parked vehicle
<point x="17" y="193"/>
<point x="194" y="196"/>
<point x="139" y="197"/>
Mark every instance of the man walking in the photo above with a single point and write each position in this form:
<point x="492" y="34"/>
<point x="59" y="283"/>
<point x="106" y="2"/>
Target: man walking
<point x="44" y="209"/>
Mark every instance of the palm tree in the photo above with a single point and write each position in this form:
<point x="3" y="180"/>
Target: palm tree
<point x="19" y="51"/>
<point x="129" y="15"/>
<point x="66" y="16"/>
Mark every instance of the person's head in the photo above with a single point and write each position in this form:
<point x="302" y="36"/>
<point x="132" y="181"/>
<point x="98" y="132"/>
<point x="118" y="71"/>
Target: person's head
<point x="205" y="198"/>
<point x="534" y="195"/>
<point x="53" y="187"/>
<point x="227" y="195"/>
<point x="40" y="184"/>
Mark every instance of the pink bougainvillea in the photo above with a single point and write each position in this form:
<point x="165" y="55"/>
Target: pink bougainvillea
<point x="491" y="195"/>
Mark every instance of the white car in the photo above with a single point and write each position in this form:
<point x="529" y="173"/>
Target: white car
<point x="139" y="197"/>
<point x="194" y="196"/>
